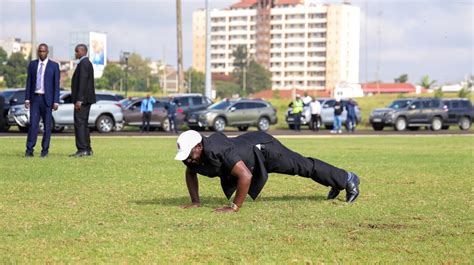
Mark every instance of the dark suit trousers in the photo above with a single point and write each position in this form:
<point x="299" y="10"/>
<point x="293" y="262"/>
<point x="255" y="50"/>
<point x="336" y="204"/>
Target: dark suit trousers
<point x="146" y="117"/>
<point x="39" y="110"/>
<point x="81" y="128"/>
<point x="280" y="159"/>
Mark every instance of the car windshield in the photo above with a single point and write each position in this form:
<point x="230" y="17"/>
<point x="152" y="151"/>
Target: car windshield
<point x="7" y="94"/>
<point x="399" y="104"/>
<point x="220" y="105"/>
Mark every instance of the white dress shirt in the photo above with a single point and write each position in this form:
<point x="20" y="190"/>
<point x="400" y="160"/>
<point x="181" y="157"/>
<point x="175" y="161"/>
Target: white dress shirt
<point x="315" y="107"/>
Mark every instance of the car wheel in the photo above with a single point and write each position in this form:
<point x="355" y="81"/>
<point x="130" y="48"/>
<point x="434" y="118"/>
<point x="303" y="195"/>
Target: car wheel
<point x="243" y="128"/>
<point x="263" y="124"/>
<point x="165" y="125"/>
<point x="377" y="126"/>
<point x="436" y="124"/>
<point x="23" y="129"/>
<point x="464" y="123"/>
<point x="104" y="124"/>
<point x="219" y="124"/>
<point x="400" y="124"/>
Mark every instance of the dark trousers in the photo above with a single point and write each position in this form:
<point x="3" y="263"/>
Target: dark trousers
<point x="39" y="110"/>
<point x="297" y="117"/>
<point x="280" y="159"/>
<point x="173" y="123"/>
<point x="314" y="123"/>
<point x="81" y="128"/>
<point x="146" y="117"/>
<point x="351" y="122"/>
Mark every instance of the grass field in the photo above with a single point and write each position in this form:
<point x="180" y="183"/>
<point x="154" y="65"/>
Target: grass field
<point x="121" y="206"/>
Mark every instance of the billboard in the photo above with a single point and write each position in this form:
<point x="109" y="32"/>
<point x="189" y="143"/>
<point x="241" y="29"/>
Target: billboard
<point x="98" y="52"/>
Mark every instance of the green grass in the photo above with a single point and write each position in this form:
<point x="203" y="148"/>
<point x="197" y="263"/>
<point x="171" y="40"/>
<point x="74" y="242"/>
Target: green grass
<point x="121" y="206"/>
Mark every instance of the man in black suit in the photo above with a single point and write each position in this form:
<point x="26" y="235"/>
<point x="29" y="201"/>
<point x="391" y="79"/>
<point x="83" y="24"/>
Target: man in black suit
<point x="83" y="96"/>
<point x="243" y="163"/>
<point x="41" y="97"/>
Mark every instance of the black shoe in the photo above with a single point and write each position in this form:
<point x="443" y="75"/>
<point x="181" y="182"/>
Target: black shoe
<point x="352" y="188"/>
<point x="44" y="155"/>
<point x="81" y="154"/>
<point x="28" y="154"/>
<point x="333" y="193"/>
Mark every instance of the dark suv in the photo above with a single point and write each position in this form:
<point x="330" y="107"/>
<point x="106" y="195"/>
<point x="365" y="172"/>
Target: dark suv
<point x="460" y="112"/>
<point x="10" y="97"/>
<point x="411" y="114"/>
<point x="188" y="103"/>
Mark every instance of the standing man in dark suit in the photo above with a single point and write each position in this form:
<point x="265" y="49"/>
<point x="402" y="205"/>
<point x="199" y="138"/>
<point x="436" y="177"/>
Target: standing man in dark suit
<point x="83" y="96"/>
<point x="41" y="97"/>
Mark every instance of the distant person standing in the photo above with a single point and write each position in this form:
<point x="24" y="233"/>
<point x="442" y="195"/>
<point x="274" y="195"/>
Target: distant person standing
<point x="83" y="96"/>
<point x="297" y="106"/>
<point x="147" y="109"/>
<point x="172" y="107"/>
<point x="41" y="97"/>
<point x="351" y="120"/>
<point x="337" y="117"/>
<point x="315" y="108"/>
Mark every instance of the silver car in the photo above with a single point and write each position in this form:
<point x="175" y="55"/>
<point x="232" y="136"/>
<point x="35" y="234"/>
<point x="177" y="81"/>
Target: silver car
<point x="327" y="114"/>
<point x="105" y="115"/>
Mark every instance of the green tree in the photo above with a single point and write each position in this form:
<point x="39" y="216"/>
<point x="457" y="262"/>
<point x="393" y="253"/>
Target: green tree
<point x="102" y="83"/>
<point x="113" y="73"/>
<point x="225" y="89"/>
<point x="3" y="60"/>
<point x="198" y="80"/>
<point x="426" y="83"/>
<point x="258" y="78"/>
<point x="438" y="93"/>
<point x="138" y="73"/>
<point x="401" y="79"/>
<point x="15" y="70"/>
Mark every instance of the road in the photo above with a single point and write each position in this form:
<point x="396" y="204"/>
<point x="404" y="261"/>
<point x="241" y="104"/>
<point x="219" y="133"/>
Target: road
<point x="276" y="132"/>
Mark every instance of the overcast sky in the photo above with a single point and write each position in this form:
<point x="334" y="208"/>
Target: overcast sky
<point x="414" y="37"/>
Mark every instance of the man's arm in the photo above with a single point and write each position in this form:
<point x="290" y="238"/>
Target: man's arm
<point x="244" y="177"/>
<point x="56" y="87"/>
<point x="28" y="87"/>
<point x="193" y="189"/>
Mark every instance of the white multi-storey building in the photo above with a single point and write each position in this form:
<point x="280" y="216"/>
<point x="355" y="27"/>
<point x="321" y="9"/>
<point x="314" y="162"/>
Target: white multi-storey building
<point x="305" y="46"/>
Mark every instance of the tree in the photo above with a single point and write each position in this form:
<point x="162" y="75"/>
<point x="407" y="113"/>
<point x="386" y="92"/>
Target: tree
<point x="241" y="64"/>
<point x="113" y="73"/>
<point x="258" y="78"/>
<point x="198" y="80"/>
<point x="226" y="88"/>
<point x="15" y="70"/>
<point x="426" y="83"/>
<point x="401" y="79"/>
<point x="138" y="73"/>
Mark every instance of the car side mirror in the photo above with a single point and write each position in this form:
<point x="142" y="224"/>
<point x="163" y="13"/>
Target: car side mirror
<point x="133" y="108"/>
<point x="232" y="109"/>
<point x="412" y="107"/>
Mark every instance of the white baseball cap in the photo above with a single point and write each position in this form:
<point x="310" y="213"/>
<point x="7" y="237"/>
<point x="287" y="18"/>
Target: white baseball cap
<point x="186" y="142"/>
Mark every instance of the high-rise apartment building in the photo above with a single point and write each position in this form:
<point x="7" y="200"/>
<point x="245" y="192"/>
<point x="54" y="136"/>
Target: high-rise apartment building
<point x="304" y="45"/>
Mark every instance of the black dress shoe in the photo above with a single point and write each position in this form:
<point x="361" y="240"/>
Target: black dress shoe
<point x="352" y="188"/>
<point x="81" y="154"/>
<point x="28" y="154"/>
<point x="333" y="193"/>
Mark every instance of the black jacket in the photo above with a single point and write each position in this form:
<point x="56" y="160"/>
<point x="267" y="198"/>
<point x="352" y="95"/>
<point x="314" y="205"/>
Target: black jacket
<point x="82" y="84"/>
<point x="222" y="153"/>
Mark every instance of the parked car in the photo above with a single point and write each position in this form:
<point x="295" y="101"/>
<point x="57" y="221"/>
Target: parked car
<point x="460" y="112"/>
<point x="105" y="115"/>
<point x="11" y="97"/>
<point x="327" y="114"/>
<point x="188" y="103"/>
<point x="410" y="113"/>
<point x="240" y="113"/>
<point x="159" y="117"/>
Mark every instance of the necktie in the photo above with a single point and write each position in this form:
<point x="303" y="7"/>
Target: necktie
<point x="39" y="77"/>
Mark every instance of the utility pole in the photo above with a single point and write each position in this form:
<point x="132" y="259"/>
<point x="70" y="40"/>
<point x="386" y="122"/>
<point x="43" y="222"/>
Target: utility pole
<point x="181" y="88"/>
<point x="208" y="52"/>
<point x="33" y="29"/>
